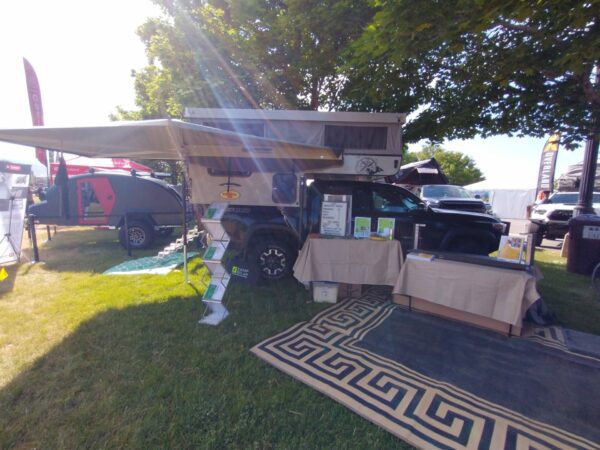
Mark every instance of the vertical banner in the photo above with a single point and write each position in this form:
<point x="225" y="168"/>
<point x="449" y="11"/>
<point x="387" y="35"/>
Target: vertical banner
<point x="14" y="187"/>
<point x="548" y="164"/>
<point x="35" y="105"/>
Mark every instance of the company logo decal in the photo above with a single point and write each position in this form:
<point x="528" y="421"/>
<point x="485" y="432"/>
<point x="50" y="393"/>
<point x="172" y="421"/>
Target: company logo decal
<point x="229" y="195"/>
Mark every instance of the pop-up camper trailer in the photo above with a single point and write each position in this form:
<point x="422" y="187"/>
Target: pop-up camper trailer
<point x="368" y="145"/>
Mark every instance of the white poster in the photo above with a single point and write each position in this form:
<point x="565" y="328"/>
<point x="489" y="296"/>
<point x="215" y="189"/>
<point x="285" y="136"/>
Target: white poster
<point x="14" y="186"/>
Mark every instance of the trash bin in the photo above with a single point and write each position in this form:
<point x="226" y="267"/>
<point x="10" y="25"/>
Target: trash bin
<point x="584" y="244"/>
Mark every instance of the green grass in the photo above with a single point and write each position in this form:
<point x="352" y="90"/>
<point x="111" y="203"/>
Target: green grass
<point x="95" y="361"/>
<point x="89" y="360"/>
<point x="569" y="295"/>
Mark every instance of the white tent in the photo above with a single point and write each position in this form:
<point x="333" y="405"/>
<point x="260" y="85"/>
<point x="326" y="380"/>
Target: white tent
<point x="508" y="203"/>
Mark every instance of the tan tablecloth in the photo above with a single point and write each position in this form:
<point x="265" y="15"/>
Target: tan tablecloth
<point x="500" y="294"/>
<point x="352" y="261"/>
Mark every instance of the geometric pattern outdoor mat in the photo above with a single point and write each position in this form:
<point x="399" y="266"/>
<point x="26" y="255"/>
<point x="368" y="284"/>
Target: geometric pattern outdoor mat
<point x="331" y="354"/>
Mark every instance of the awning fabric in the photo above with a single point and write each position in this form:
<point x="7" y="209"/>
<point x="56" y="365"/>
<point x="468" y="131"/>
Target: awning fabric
<point x="174" y="140"/>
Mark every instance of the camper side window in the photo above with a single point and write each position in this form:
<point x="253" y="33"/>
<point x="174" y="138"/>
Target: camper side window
<point x="349" y="137"/>
<point x="284" y="188"/>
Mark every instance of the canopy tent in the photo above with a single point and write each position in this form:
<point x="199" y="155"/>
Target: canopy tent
<point x="77" y="165"/>
<point x="176" y="140"/>
<point x="571" y="179"/>
<point x="506" y="203"/>
<point x="418" y="173"/>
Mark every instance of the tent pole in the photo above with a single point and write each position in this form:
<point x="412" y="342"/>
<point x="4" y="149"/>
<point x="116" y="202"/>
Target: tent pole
<point x="185" y="231"/>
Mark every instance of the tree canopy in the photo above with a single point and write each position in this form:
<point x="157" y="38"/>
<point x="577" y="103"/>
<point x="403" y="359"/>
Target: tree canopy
<point x="462" y="67"/>
<point x="472" y="67"/>
<point x="458" y="167"/>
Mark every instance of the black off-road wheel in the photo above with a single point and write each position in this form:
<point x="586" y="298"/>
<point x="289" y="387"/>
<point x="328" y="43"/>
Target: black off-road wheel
<point x="141" y="234"/>
<point x="274" y="258"/>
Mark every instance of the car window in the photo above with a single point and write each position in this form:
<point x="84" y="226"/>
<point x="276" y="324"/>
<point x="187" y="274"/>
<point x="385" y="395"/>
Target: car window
<point x="563" y="198"/>
<point x="444" y="191"/>
<point x="361" y="201"/>
<point x="393" y="200"/>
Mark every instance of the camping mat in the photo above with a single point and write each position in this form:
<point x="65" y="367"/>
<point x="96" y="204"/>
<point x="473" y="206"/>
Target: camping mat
<point x="156" y="265"/>
<point x="441" y="384"/>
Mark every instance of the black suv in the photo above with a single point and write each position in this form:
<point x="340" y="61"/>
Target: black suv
<point x="270" y="237"/>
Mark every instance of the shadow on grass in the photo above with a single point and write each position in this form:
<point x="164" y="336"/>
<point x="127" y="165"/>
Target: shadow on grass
<point x="150" y="376"/>
<point x="91" y="250"/>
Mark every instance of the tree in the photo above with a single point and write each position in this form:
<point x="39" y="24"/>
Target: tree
<point x="471" y="67"/>
<point x="458" y="167"/>
<point x="250" y="54"/>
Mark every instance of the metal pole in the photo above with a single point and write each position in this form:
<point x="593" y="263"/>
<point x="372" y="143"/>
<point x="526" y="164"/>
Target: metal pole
<point x="36" y="254"/>
<point x="48" y="231"/>
<point x="588" y="175"/>
<point x="590" y="159"/>
<point x="185" y="231"/>
<point x="127" y="243"/>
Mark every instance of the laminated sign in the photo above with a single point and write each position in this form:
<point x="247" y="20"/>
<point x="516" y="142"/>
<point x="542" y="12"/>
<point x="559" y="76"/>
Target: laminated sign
<point x="14" y="186"/>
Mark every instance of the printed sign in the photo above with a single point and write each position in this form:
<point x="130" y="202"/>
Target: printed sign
<point x="14" y="186"/>
<point x="333" y="218"/>
<point x="385" y="227"/>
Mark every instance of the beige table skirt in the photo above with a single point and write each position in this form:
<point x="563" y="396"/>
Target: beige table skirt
<point x="352" y="261"/>
<point x="502" y="295"/>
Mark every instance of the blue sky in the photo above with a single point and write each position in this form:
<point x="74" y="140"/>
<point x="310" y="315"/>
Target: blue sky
<point x="84" y="52"/>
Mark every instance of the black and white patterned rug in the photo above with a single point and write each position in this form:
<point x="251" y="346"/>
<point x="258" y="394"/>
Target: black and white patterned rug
<point x="440" y="384"/>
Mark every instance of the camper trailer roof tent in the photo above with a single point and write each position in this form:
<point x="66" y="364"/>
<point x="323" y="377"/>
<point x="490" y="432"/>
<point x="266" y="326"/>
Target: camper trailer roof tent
<point x="370" y="144"/>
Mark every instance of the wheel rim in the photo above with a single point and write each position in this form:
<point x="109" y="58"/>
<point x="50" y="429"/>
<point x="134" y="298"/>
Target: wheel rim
<point x="273" y="262"/>
<point x="137" y="236"/>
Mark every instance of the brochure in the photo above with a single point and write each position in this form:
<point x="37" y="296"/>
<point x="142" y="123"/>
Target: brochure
<point x="385" y="227"/>
<point x="362" y="227"/>
<point x="511" y="248"/>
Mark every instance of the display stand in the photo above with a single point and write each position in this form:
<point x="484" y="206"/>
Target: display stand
<point x="215" y="311"/>
<point x="8" y="235"/>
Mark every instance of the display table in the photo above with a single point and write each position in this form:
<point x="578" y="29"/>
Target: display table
<point x="352" y="261"/>
<point x="485" y="296"/>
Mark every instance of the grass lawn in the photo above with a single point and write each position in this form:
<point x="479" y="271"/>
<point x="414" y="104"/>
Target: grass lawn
<point x="90" y="360"/>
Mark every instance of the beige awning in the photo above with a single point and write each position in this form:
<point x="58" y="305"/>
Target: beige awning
<point x="176" y="140"/>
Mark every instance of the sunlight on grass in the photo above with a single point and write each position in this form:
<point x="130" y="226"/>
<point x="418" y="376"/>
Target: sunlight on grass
<point x="50" y="300"/>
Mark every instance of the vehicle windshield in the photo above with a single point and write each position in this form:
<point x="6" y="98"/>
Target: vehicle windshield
<point x="570" y="198"/>
<point x="445" y="191"/>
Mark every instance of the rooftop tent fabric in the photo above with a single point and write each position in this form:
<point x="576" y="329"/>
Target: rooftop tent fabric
<point x="170" y="140"/>
<point x="427" y="171"/>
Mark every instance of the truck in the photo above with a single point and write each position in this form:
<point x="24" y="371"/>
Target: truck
<point x="150" y="206"/>
<point x="269" y="238"/>
<point x="274" y="204"/>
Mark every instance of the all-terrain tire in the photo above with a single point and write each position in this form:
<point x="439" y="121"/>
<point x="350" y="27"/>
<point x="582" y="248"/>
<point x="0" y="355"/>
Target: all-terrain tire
<point x="141" y="234"/>
<point x="273" y="257"/>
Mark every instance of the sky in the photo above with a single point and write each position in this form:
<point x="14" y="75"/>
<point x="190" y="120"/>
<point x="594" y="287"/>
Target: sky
<point x="84" y="51"/>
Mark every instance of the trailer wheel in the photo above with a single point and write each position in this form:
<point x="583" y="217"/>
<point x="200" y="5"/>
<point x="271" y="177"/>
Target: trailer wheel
<point x="274" y="258"/>
<point x="141" y="234"/>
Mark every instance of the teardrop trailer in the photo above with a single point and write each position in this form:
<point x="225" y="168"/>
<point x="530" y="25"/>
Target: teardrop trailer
<point x="148" y="206"/>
